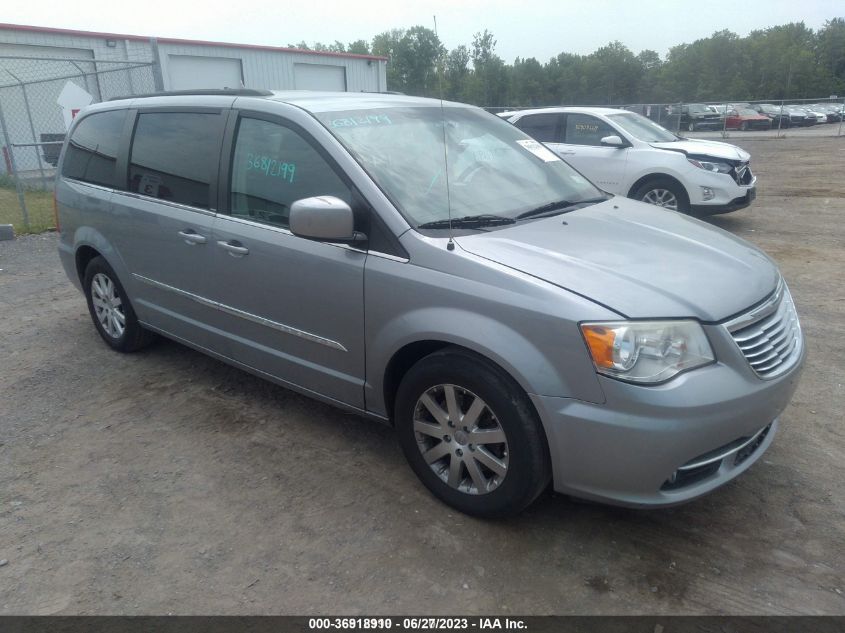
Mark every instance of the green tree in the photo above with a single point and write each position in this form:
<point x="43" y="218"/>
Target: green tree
<point x="359" y="47"/>
<point x="457" y="73"/>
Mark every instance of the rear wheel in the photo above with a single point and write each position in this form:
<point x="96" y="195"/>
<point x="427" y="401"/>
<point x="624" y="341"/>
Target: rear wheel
<point x="470" y="434"/>
<point x="110" y="309"/>
<point x="664" y="193"/>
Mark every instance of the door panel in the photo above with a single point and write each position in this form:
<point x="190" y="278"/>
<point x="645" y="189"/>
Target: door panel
<point x="288" y="306"/>
<point x="291" y="307"/>
<point x="162" y="225"/>
<point x="162" y="246"/>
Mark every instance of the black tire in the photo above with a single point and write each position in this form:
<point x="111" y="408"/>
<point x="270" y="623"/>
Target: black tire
<point x="691" y="127"/>
<point x="657" y="184"/>
<point x="528" y="470"/>
<point x="133" y="337"/>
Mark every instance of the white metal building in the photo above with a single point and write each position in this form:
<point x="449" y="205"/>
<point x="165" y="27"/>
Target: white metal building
<point x="187" y="64"/>
<point x="47" y="75"/>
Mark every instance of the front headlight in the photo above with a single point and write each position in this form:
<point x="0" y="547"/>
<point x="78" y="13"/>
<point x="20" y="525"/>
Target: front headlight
<point x="646" y="351"/>
<point x="711" y="165"/>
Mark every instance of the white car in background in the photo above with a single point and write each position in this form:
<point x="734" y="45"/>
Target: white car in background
<point x="627" y="154"/>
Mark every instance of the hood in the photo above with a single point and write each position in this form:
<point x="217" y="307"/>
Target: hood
<point x="637" y="259"/>
<point x="701" y="147"/>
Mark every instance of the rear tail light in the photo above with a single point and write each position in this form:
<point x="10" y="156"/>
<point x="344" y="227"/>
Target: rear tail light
<point x="56" y="211"/>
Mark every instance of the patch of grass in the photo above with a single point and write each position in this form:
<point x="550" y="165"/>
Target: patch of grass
<point x="39" y="204"/>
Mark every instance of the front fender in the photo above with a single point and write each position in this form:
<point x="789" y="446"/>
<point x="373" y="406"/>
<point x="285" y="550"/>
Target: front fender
<point x="515" y="323"/>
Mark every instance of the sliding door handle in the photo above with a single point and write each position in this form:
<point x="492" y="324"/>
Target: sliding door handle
<point x="191" y="237"/>
<point x="234" y="248"/>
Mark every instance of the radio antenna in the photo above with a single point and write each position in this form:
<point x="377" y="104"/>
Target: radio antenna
<point x="450" y="245"/>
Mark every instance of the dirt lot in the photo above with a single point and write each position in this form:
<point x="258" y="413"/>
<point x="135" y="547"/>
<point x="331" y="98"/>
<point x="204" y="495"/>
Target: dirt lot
<point x="167" y="482"/>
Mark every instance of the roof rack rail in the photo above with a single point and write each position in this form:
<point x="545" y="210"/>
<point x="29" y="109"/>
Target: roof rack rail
<point x="224" y="92"/>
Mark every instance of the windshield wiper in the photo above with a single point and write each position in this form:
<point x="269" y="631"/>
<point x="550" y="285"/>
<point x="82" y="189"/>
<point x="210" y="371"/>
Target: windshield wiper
<point x="468" y="222"/>
<point x="561" y="206"/>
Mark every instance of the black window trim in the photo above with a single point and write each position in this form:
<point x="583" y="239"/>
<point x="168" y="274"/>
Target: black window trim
<point x="224" y="177"/>
<point x="213" y="185"/>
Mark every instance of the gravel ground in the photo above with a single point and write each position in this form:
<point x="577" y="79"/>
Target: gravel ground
<point x="167" y="482"/>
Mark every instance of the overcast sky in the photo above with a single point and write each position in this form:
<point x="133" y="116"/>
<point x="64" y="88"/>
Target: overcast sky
<point x="540" y="28"/>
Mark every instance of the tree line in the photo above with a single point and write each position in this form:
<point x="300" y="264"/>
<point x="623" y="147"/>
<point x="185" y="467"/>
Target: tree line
<point x="789" y="61"/>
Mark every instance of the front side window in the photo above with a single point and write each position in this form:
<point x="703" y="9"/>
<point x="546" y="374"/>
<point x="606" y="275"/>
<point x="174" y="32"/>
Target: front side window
<point x="430" y="160"/>
<point x="272" y="167"/>
<point x="642" y="129"/>
<point x="543" y="127"/>
<point x="91" y="154"/>
<point x="583" y="129"/>
<point x="174" y="156"/>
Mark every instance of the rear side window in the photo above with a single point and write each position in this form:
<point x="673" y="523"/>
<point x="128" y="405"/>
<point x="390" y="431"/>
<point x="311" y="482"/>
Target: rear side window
<point x="542" y="127"/>
<point x="583" y="129"/>
<point x="91" y="154"/>
<point x="272" y="167"/>
<point x="174" y="156"/>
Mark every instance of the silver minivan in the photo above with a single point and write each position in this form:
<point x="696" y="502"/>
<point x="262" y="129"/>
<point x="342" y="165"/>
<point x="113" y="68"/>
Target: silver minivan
<point x="430" y="266"/>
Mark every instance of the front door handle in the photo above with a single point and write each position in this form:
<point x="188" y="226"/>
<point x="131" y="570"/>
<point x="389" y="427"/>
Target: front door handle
<point x="191" y="237"/>
<point x="234" y="248"/>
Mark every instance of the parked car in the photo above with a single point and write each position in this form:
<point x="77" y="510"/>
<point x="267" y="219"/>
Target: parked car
<point x="832" y="113"/>
<point x="779" y="115"/>
<point x="429" y="266"/>
<point x="696" y="116"/>
<point x="629" y="155"/>
<point x="742" y="118"/>
<point x="810" y="117"/>
<point x="829" y="113"/>
<point x="798" y="118"/>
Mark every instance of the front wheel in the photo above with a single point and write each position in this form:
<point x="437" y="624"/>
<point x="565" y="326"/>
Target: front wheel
<point x="470" y="434"/>
<point x="663" y="193"/>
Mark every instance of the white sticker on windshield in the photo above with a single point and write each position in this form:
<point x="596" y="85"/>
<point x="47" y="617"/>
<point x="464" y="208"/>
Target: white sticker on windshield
<point x="539" y="150"/>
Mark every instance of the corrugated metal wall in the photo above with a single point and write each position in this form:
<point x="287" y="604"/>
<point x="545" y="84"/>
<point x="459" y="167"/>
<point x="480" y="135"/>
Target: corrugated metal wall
<point x="273" y="70"/>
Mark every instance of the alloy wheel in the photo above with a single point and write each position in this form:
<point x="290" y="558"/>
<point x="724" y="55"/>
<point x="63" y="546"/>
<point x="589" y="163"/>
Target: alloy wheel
<point x="107" y="305"/>
<point x="662" y="198"/>
<point x="461" y="439"/>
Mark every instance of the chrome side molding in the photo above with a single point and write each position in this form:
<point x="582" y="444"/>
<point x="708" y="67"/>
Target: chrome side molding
<point x="222" y="307"/>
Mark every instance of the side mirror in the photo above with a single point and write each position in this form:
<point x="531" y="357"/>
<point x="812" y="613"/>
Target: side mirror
<point x="324" y="218"/>
<point x="614" y="140"/>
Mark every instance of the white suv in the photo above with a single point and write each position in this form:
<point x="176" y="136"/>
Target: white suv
<point x="627" y="154"/>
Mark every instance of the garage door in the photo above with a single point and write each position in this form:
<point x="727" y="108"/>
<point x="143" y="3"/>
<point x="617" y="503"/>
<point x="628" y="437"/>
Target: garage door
<point x="187" y="72"/>
<point x="319" y="77"/>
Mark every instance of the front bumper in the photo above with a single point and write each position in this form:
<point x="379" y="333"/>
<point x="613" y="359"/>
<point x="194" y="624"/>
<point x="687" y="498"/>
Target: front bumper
<point x="734" y="205"/>
<point x="725" y="193"/>
<point x="628" y="451"/>
<point x="707" y="124"/>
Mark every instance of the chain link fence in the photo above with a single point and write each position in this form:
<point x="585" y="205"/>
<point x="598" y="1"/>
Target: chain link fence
<point x="39" y="98"/>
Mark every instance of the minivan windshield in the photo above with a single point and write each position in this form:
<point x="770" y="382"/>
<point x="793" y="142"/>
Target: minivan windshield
<point x="641" y="128"/>
<point x="494" y="169"/>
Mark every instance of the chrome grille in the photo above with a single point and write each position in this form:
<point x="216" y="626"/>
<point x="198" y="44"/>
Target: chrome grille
<point x="769" y="336"/>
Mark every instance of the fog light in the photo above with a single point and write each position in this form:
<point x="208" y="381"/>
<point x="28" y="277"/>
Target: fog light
<point x="707" y="193"/>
